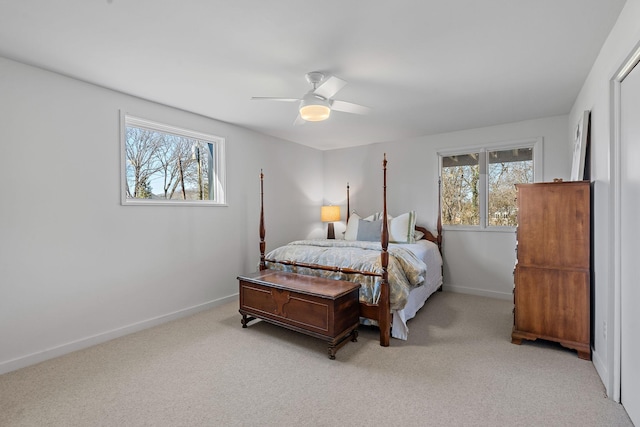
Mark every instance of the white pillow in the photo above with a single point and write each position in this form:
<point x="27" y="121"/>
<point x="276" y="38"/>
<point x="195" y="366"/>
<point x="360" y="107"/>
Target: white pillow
<point x="402" y="227"/>
<point x="351" y="233"/>
<point x="376" y="216"/>
<point x="371" y="217"/>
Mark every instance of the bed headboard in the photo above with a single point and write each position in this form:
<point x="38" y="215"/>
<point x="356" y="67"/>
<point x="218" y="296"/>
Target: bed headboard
<point x="427" y="234"/>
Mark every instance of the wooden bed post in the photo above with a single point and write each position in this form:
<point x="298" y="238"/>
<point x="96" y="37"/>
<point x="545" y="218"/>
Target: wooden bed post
<point x="263" y="245"/>
<point x="348" y="210"/>
<point x="439" y="229"/>
<point x="383" y="303"/>
<point x="439" y="226"/>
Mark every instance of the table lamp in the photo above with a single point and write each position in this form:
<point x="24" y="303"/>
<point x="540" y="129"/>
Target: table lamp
<point x="330" y="214"/>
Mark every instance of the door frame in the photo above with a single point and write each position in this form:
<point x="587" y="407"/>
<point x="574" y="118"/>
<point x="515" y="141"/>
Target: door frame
<point x="615" y="315"/>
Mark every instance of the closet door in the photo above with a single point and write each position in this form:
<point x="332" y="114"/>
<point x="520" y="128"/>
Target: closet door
<point x="629" y="239"/>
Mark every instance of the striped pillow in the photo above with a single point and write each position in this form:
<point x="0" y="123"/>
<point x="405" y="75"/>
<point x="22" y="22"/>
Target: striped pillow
<point x="402" y="227"/>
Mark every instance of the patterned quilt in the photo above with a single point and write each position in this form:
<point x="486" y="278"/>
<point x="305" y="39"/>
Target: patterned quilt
<point x="405" y="270"/>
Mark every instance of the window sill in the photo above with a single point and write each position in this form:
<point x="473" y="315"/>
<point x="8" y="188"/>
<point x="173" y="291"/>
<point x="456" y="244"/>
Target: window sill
<point x="147" y="202"/>
<point x="477" y="228"/>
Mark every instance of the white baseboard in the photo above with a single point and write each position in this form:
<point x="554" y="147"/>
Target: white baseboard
<point x="50" y="353"/>
<point x="478" y="292"/>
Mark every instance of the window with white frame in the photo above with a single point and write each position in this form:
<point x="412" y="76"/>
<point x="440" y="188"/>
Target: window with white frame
<point x="164" y="164"/>
<point x="478" y="184"/>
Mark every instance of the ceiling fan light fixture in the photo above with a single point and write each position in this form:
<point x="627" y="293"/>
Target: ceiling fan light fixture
<point x="314" y="108"/>
<point x="315" y="113"/>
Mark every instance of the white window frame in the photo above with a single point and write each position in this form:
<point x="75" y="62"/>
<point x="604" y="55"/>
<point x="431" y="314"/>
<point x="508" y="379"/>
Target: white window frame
<point x="535" y="143"/>
<point x="219" y="162"/>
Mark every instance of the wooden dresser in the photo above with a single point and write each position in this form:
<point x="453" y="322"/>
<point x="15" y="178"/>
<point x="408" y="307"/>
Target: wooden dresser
<point x="323" y="308"/>
<point x="552" y="274"/>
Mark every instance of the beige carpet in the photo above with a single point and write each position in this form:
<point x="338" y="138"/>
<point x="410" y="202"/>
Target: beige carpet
<point x="457" y="368"/>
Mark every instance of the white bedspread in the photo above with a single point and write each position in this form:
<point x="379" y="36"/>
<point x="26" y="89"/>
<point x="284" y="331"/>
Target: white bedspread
<point x="428" y="252"/>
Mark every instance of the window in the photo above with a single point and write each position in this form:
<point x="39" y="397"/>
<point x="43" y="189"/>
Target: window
<point x="478" y="185"/>
<point x="460" y="190"/>
<point x="167" y="165"/>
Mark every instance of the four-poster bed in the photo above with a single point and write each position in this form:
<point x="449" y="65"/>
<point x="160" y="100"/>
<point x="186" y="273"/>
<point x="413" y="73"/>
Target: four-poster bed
<point x="381" y="299"/>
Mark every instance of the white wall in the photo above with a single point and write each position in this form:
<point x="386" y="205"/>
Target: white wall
<point x="76" y="267"/>
<point x="596" y="97"/>
<point x="479" y="263"/>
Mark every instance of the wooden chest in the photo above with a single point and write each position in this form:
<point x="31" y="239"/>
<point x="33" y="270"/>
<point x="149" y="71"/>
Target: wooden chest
<point x="323" y="308"/>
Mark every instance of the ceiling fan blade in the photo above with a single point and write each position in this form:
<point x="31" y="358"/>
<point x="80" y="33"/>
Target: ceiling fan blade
<point x="348" y="107"/>
<point x="330" y="87"/>
<point x="269" y="98"/>
<point x="299" y="121"/>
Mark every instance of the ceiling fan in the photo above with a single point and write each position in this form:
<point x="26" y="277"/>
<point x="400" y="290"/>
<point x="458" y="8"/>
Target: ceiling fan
<point x="317" y="104"/>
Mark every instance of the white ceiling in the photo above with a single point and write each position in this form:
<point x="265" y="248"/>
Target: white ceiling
<point x="423" y="66"/>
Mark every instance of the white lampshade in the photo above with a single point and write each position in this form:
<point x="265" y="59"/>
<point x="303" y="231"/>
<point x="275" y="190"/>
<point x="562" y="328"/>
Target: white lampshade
<point x="314" y="108"/>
